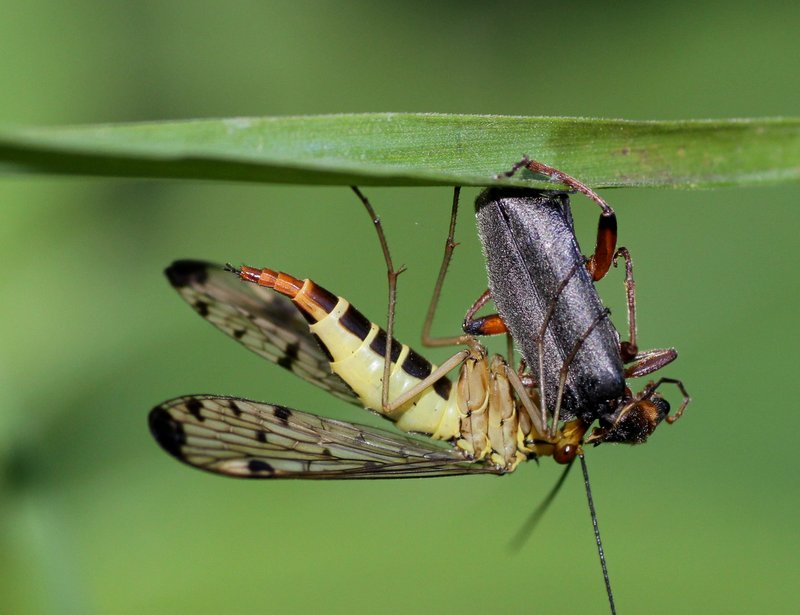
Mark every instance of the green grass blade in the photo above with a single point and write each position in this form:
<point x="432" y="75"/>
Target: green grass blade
<point x="416" y="149"/>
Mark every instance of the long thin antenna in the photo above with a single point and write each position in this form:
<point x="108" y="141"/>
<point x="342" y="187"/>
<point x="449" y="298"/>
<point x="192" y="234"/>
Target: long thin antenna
<point x="524" y="533"/>
<point x="600" y="551"/>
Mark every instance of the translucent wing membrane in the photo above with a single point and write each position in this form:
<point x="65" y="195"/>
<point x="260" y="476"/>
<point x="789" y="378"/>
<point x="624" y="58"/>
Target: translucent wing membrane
<point x="262" y="320"/>
<point x="248" y="439"/>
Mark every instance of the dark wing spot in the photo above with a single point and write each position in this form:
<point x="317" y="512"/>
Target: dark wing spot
<point x="283" y="414"/>
<point x="289" y="356"/>
<point x="261" y="437"/>
<point x="239" y="333"/>
<point x="201" y="307"/>
<point x="167" y="431"/>
<point x="237" y="411"/>
<point x="186" y="272"/>
<point x="378" y="346"/>
<point x="194" y="406"/>
<point x="256" y="466"/>
<point x="355" y="322"/>
<point x="416" y="365"/>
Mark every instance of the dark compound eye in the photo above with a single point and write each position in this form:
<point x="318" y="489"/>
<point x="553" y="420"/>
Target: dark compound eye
<point x="662" y="406"/>
<point x="565" y="453"/>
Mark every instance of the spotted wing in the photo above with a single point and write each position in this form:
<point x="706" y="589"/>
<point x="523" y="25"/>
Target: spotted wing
<point x="262" y="320"/>
<point x="248" y="439"/>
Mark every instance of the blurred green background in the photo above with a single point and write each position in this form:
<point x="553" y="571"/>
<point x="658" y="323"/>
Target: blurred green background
<point x="94" y="518"/>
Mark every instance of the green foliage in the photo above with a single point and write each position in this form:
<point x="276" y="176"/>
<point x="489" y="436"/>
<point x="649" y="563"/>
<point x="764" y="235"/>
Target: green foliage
<point x="390" y="149"/>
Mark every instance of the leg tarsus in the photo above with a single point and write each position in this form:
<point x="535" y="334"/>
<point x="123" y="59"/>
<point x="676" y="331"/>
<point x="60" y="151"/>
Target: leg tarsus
<point x="553" y="174"/>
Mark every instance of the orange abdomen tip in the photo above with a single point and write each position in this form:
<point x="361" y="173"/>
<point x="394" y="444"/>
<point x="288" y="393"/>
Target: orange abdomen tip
<point x="282" y="282"/>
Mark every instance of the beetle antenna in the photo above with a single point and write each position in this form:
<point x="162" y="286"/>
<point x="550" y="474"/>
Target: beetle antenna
<point x="600" y="551"/>
<point x="524" y="533"/>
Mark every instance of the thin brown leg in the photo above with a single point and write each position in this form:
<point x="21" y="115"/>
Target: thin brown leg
<point x="449" y="246"/>
<point x="651" y="388"/>
<point x="477" y="305"/>
<point x="562" y="375"/>
<point x="645" y="362"/>
<point x="440" y="372"/>
<point x="570" y="357"/>
<point x="534" y="166"/>
<point x="531" y="411"/>
<point x="543" y="329"/>
<point x="392" y="276"/>
<point x="629" y="349"/>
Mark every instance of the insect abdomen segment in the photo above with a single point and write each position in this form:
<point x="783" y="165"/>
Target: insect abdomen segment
<point x="356" y="350"/>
